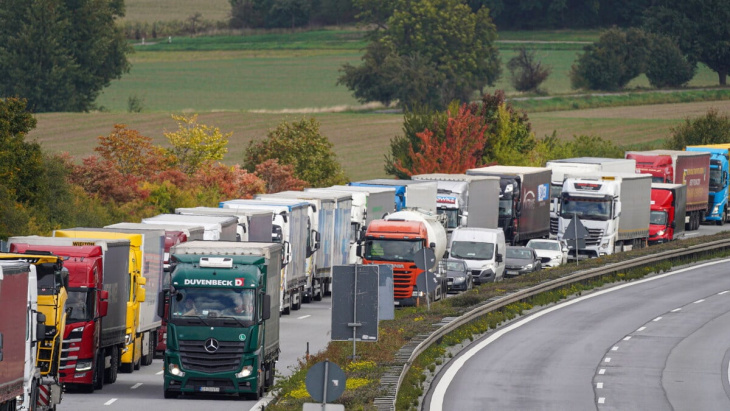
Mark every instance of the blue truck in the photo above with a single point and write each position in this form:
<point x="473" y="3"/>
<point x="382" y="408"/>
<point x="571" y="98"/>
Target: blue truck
<point x="717" y="199"/>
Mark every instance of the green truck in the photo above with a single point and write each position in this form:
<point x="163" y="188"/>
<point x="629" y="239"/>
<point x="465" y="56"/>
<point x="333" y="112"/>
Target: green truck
<point x="223" y="318"/>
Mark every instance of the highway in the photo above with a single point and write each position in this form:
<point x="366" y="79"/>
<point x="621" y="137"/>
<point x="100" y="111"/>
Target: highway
<point x="310" y="325"/>
<point x="143" y="388"/>
<point x="656" y="344"/>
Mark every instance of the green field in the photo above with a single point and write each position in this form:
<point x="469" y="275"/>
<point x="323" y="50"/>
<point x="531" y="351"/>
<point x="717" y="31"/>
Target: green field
<point x="165" y="10"/>
<point x="249" y="84"/>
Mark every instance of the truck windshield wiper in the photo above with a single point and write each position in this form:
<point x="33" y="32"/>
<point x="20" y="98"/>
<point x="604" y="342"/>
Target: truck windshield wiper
<point x="242" y="323"/>
<point x="193" y="318"/>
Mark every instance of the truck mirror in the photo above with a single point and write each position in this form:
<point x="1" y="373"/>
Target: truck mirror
<point x="358" y="250"/>
<point x="463" y="221"/>
<point x="286" y="255"/>
<point x="103" y="303"/>
<point x="64" y="278"/>
<point x="618" y="209"/>
<point x="499" y="258"/>
<point x="161" y="300"/>
<point x="40" y="330"/>
<point x="141" y="294"/>
<point x="432" y="245"/>
<point x="316" y="236"/>
<point x="673" y="225"/>
<point x="266" y="309"/>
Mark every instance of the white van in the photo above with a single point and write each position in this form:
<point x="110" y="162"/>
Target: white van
<point x="483" y="250"/>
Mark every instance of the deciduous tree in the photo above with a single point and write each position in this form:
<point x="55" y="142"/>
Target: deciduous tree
<point x="195" y="144"/>
<point x="130" y="153"/>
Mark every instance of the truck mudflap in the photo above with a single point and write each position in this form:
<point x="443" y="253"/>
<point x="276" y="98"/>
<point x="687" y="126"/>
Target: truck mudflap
<point x="49" y="394"/>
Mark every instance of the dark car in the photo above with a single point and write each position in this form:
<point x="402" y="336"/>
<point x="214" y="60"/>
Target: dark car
<point x="458" y="274"/>
<point x="521" y="260"/>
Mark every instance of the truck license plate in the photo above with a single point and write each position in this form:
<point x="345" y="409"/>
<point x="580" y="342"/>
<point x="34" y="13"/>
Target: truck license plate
<point x="210" y="389"/>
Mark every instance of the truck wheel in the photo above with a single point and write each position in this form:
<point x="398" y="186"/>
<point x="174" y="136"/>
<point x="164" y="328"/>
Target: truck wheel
<point x="723" y="217"/>
<point x="296" y="306"/>
<point x="170" y="394"/>
<point x="98" y="381"/>
<point x="270" y="372"/>
<point x="110" y="375"/>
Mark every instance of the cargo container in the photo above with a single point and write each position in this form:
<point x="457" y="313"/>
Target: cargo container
<point x="217" y="228"/>
<point x="253" y="225"/>
<point x="408" y="193"/>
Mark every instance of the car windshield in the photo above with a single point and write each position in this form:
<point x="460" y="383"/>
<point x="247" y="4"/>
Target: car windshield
<point x="391" y="250"/>
<point x="212" y="303"/>
<point x="472" y="250"/>
<point x="658" y="218"/>
<point x="454" y="265"/>
<point x="544" y="245"/>
<point x="519" y="253"/>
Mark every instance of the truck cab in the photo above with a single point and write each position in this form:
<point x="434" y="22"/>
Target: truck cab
<point x="666" y="221"/>
<point x="719" y="191"/>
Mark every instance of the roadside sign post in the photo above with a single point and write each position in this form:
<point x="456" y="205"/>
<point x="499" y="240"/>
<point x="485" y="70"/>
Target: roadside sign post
<point x="355" y="304"/>
<point x="578" y="232"/>
<point x="325" y="382"/>
<point x="425" y="261"/>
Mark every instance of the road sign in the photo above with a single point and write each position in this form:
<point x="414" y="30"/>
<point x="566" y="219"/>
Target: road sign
<point x="425" y="260"/>
<point x="386" y="308"/>
<point x="576" y="233"/>
<point x="355" y="305"/>
<point x="325" y="381"/>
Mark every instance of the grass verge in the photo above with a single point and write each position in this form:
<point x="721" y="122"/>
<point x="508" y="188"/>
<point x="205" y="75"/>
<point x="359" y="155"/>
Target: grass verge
<point x="376" y="358"/>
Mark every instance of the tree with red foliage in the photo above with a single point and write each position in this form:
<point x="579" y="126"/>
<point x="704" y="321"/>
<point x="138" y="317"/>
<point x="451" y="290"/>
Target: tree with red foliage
<point x="278" y="177"/>
<point x="460" y="149"/>
<point x="130" y="152"/>
<point x="232" y="182"/>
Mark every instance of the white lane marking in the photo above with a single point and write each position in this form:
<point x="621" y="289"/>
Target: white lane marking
<point x="602" y="400"/>
<point x="628" y="337"/>
<point x="608" y="359"/>
<point x="135" y="386"/>
<point x="603" y="371"/>
<point x="599" y="385"/>
<point x="676" y="309"/>
<point x="110" y="402"/>
<point x="615" y="348"/>
<point x="657" y="319"/>
<point x="160" y="372"/>
<point x="303" y="317"/>
<point x="439" y="393"/>
<point x="699" y="301"/>
<point x="641" y="329"/>
<point x="724" y="292"/>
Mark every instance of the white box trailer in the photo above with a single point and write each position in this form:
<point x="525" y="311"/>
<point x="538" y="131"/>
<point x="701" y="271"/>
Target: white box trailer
<point x="290" y="227"/>
<point x="217" y="228"/>
<point x="409" y="194"/>
<point x="332" y="219"/>
<point x="467" y="200"/>
<point x="253" y="225"/>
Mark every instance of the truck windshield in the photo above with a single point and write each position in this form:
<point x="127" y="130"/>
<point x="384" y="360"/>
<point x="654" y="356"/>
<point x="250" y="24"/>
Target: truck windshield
<point x="555" y="190"/>
<point x="80" y="305"/>
<point x="472" y="250"/>
<point x="586" y="208"/>
<point x="452" y="216"/>
<point x="715" y="179"/>
<point x="210" y="303"/>
<point x="505" y="208"/>
<point x="391" y="250"/>
<point x="658" y="218"/>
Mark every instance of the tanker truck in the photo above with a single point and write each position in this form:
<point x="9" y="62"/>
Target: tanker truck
<point x="396" y="240"/>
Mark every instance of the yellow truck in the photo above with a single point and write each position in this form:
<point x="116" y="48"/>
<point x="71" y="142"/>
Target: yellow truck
<point x="52" y="287"/>
<point x="145" y="271"/>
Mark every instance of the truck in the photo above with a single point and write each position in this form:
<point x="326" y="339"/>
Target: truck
<point x="524" y="201"/>
<point x="93" y="338"/>
<point x="690" y="168"/>
<point x="466" y="200"/>
<point x="396" y="240"/>
<point x="18" y="333"/>
<point x="719" y="191"/>
<point x="408" y="193"/>
<point x="253" y="225"/>
<point x="291" y="227"/>
<point x="613" y="207"/>
<point x="368" y="204"/>
<point x="217" y="228"/>
<point x="145" y="273"/>
<point x="223" y="320"/>
<point x="51" y="285"/>
<point x="666" y="220"/>
<point x="332" y="219"/>
<point x="578" y="167"/>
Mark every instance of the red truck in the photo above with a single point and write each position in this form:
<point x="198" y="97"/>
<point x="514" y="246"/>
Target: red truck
<point x="690" y="168"/>
<point x="97" y="306"/>
<point x="14" y="320"/>
<point x="667" y="211"/>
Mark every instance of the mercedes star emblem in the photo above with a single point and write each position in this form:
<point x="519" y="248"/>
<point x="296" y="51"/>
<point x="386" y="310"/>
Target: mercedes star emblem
<point x="211" y="345"/>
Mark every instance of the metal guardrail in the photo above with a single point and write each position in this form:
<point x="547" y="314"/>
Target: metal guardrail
<point x="484" y="309"/>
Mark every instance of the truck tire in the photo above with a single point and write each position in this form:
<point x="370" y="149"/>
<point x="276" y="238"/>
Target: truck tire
<point x="170" y="394"/>
<point x="723" y="217"/>
<point x="270" y="374"/>
<point x="296" y="306"/>
<point x="110" y="374"/>
<point x="98" y="379"/>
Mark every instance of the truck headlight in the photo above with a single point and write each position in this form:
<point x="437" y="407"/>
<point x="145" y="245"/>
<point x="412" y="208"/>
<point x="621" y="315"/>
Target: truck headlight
<point x="245" y="372"/>
<point x="175" y="370"/>
<point x="660" y="232"/>
<point x="716" y="209"/>
<point x="604" y="244"/>
<point x="78" y="329"/>
<point x="83" y="365"/>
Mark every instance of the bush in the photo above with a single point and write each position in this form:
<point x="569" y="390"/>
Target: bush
<point x="667" y="66"/>
<point x="712" y="128"/>
<point x="611" y="63"/>
<point x="526" y="73"/>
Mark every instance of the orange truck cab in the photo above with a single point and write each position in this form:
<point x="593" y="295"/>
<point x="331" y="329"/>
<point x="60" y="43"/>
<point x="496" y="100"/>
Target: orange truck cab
<point x="395" y="242"/>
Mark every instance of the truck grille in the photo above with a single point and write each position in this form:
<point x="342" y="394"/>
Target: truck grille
<point x="402" y="283"/>
<point x="227" y="358"/>
<point x="70" y="355"/>
<point x="594" y="236"/>
<point x="553" y="226"/>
